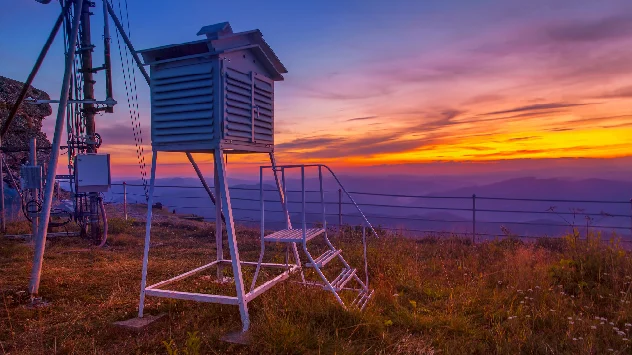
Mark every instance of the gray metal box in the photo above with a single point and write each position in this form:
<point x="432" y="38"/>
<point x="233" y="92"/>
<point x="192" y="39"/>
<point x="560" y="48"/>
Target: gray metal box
<point x="31" y="177"/>
<point x="92" y="172"/>
<point x="216" y="92"/>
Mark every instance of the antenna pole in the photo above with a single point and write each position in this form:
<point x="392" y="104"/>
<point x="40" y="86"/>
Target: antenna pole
<point x="89" y="111"/>
<point x="40" y="241"/>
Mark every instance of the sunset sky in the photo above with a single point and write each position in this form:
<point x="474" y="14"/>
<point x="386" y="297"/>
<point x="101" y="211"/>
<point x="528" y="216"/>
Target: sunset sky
<point x="374" y="83"/>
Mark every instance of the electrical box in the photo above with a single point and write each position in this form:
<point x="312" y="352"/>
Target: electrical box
<point x="217" y="92"/>
<point x="92" y="172"/>
<point x="31" y="177"/>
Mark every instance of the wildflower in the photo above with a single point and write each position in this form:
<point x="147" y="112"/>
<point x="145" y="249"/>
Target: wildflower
<point x="560" y="286"/>
<point x="519" y="291"/>
<point x="530" y="290"/>
<point x="537" y="287"/>
<point x="569" y="318"/>
<point x="616" y="329"/>
<point x="571" y="322"/>
<point x="610" y="350"/>
<point x="580" y="338"/>
<point x="396" y="295"/>
<point x="611" y="323"/>
<point x="627" y="325"/>
<point x="621" y="333"/>
<point x="625" y="339"/>
<point x="574" y="339"/>
<point x="521" y="302"/>
<point x="593" y="327"/>
<point x="552" y="310"/>
<point x="500" y="282"/>
<point x="388" y="323"/>
<point x="597" y="318"/>
<point x="602" y="323"/>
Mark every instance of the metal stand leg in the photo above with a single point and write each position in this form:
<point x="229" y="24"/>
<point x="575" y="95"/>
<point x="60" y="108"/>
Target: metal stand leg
<point x="232" y="239"/>
<point x="150" y="203"/>
<point x="219" y="217"/>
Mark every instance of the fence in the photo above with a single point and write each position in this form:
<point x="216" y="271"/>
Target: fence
<point x="477" y="217"/>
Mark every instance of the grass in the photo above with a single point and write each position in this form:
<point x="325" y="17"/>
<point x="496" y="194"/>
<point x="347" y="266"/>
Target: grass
<point x="433" y="295"/>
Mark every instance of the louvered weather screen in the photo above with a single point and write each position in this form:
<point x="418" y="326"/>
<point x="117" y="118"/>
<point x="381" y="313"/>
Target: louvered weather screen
<point x="215" y="92"/>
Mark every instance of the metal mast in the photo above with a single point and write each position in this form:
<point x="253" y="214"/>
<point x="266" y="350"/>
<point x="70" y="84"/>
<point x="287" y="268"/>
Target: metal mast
<point x="89" y="111"/>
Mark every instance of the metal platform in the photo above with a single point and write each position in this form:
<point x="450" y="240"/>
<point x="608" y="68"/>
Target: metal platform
<point x="293" y="235"/>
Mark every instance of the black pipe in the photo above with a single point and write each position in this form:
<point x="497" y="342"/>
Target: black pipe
<point x="106" y="53"/>
<point x="38" y="63"/>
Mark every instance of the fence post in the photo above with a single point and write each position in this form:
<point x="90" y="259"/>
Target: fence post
<point x="474" y="219"/>
<point x="339" y="209"/>
<point x="125" y="199"/>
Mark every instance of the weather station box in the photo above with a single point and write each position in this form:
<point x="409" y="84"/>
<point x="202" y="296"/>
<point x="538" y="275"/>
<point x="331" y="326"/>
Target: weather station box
<point x="92" y="172"/>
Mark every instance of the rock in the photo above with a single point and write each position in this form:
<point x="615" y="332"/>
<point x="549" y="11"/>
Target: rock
<point x="20" y="131"/>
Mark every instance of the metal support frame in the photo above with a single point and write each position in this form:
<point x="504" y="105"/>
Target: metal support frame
<point x="127" y="41"/>
<point x="34" y="192"/>
<point x="203" y="181"/>
<point x="38" y="63"/>
<point x="222" y="196"/>
<point x="40" y="239"/>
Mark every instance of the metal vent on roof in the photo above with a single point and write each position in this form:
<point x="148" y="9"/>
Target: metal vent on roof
<point x="182" y="104"/>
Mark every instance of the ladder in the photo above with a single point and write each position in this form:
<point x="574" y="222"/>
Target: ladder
<point x="292" y="237"/>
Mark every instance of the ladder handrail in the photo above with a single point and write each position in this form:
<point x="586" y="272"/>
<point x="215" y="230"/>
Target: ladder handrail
<point x="303" y="166"/>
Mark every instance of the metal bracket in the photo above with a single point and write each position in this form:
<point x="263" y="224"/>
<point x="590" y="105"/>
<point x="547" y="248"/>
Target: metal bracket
<point x="109" y="102"/>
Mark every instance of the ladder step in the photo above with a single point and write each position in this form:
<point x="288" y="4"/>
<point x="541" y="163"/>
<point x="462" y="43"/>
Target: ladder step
<point x="345" y="276"/>
<point x="327" y="256"/>
<point x="363" y="298"/>
<point x="293" y="235"/>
